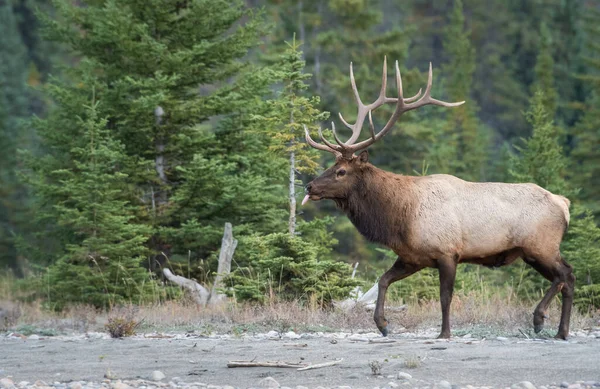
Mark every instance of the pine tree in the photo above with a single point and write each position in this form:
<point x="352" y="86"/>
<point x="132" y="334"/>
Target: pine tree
<point x="293" y="111"/>
<point x="543" y="162"/>
<point x="102" y="264"/>
<point x="544" y="73"/>
<point x="585" y="155"/>
<point x="14" y="107"/>
<point x="462" y="146"/>
<point x="177" y="92"/>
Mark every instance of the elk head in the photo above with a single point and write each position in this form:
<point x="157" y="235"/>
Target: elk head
<point x="336" y="182"/>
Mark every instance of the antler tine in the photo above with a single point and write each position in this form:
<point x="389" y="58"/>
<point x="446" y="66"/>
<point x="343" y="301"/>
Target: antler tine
<point x="319" y="146"/>
<point x="339" y="142"/>
<point x="328" y="143"/>
<point x="371" y="126"/>
<point x="427" y="99"/>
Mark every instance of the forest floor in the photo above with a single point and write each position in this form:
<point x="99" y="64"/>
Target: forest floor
<point x="193" y="360"/>
<point x="493" y="346"/>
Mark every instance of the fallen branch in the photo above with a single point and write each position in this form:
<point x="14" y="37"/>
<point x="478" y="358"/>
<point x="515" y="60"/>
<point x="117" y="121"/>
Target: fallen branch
<point x="320" y="365"/>
<point x="264" y="364"/>
<point x="198" y="292"/>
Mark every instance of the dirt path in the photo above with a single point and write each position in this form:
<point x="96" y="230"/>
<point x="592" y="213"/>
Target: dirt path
<point x="497" y="363"/>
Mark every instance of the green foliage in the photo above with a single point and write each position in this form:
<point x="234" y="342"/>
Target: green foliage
<point x="289" y="268"/>
<point x="14" y="107"/>
<point x="462" y="145"/>
<point x="104" y="246"/>
<point x="581" y="248"/>
<point x="541" y="158"/>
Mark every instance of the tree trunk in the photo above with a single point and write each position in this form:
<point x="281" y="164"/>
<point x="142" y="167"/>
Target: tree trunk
<point x="292" y="222"/>
<point x="228" y="245"/>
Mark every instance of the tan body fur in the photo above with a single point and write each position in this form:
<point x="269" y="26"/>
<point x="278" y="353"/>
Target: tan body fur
<point x="439" y="221"/>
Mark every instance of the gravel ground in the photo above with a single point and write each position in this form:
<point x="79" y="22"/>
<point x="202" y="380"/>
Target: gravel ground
<point x="194" y="361"/>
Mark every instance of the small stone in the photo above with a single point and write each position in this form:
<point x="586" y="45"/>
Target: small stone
<point x="501" y="338"/>
<point x="75" y="385"/>
<point x="272" y="334"/>
<point x="23" y="384"/>
<point x="231" y="387"/>
<point x="341" y="387"/>
<point x="444" y="385"/>
<point x="213" y="387"/>
<point x="404" y="376"/>
<point x="301" y="387"/>
<point x="353" y="376"/>
<point x="574" y="386"/>
<point x="591" y="384"/>
<point x="6" y="383"/>
<point x="119" y="385"/>
<point x="523" y="385"/>
<point x="564" y="384"/>
<point x="268" y="382"/>
<point x="40" y="383"/>
<point x="158" y="375"/>
<point x="392" y="384"/>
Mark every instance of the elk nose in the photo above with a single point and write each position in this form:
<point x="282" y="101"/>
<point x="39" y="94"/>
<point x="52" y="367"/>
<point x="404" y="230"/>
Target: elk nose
<point x="308" y="187"/>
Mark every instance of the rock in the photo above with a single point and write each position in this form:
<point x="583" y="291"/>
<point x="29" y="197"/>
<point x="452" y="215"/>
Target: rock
<point x="119" y="385"/>
<point x="157" y="375"/>
<point x="40" y="383"/>
<point x="213" y="387"/>
<point x="301" y="387"/>
<point x="523" y="385"/>
<point x="501" y="338"/>
<point x="392" y="384"/>
<point x="564" y="384"/>
<point x="574" y="386"/>
<point x="404" y="376"/>
<point x="34" y="337"/>
<point x="23" y="384"/>
<point x="444" y="385"/>
<point x="268" y="382"/>
<point x="272" y="334"/>
<point x="291" y="335"/>
<point x="7" y="383"/>
<point x="75" y="385"/>
<point x="231" y="387"/>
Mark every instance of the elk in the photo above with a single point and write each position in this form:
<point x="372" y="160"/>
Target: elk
<point x="439" y="221"/>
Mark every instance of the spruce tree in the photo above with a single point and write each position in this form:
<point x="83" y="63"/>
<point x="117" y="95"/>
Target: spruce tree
<point x="178" y="94"/>
<point x="462" y="146"/>
<point x="291" y="112"/>
<point x="14" y="107"/>
<point x="101" y="265"/>
<point x="543" y="162"/>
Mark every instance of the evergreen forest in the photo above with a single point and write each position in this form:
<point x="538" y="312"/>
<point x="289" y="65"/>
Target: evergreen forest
<point x="132" y="131"/>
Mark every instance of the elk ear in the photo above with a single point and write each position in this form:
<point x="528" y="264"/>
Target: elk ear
<point x="363" y="157"/>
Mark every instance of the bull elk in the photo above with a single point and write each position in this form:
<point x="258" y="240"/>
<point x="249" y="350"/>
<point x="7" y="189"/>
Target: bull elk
<point x="439" y="221"/>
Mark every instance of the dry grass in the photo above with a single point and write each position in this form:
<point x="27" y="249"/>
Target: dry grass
<point x="480" y="315"/>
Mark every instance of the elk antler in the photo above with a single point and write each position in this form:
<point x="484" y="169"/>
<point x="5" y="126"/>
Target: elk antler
<point x="348" y="148"/>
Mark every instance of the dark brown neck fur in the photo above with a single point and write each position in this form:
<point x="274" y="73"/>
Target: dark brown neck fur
<point x="378" y="206"/>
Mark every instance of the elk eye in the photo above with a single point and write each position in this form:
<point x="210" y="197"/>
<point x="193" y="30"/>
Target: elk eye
<point x="341" y="172"/>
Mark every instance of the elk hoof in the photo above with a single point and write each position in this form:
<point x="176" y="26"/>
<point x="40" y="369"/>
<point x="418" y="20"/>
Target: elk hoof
<point x="538" y="327"/>
<point x="561" y="336"/>
<point x="383" y="330"/>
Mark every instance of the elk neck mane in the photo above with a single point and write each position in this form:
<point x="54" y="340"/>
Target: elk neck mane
<point x="379" y="205"/>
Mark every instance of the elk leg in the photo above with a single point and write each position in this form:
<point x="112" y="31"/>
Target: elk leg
<point x="397" y="272"/>
<point x="563" y="281"/>
<point x="447" y="272"/>
<point x="567" y="300"/>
